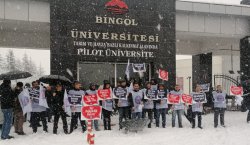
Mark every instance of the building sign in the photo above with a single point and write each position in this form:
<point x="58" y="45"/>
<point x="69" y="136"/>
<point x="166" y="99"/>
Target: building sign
<point x="103" y="43"/>
<point x="111" y="31"/>
<point x="115" y="29"/>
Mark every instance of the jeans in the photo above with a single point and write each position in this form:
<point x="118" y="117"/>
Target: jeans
<point x="178" y="113"/>
<point x="96" y="124"/>
<point x="123" y="113"/>
<point x="219" y="112"/>
<point x="136" y="115"/>
<point x="161" y="112"/>
<point x="194" y="114"/>
<point x="8" y="117"/>
<point x="106" y="119"/>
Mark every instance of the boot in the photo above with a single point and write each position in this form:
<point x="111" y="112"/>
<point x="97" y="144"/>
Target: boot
<point x="149" y="125"/>
<point x="109" y="125"/>
<point x="66" y="132"/>
<point x="21" y="133"/>
<point x="105" y="125"/>
<point x="54" y="131"/>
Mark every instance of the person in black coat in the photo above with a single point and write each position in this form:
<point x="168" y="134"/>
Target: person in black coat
<point x="246" y="102"/>
<point x="7" y="104"/>
<point x="48" y="95"/>
<point x="57" y="107"/>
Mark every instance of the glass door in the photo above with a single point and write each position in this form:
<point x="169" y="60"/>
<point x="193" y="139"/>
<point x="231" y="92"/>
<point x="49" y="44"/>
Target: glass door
<point x="98" y="72"/>
<point x="95" y="73"/>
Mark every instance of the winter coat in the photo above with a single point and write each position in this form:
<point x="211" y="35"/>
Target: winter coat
<point x="18" y="107"/>
<point x="7" y="97"/>
<point x="49" y="95"/>
<point x="57" y="101"/>
<point x="246" y="101"/>
<point x="219" y="99"/>
<point x="179" y="106"/>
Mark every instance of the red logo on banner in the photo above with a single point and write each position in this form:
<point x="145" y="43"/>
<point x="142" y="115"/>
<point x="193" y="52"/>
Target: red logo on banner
<point x="187" y="99"/>
<point x="174" y="99"/>
<point x="117" y="7"/>
<point x="236" y="90"/>
<point x="91" y="112"/>
<point x="104" y="94"/>
<point x="163" y="74"/>
<point x="89" y="100"/>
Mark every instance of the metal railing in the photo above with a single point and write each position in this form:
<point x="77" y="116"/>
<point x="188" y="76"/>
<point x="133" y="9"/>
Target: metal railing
<point x="227" y="81"/>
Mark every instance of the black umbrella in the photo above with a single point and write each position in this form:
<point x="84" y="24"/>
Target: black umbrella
<point x="54" y="79"/>
<point x="14" y="75"/>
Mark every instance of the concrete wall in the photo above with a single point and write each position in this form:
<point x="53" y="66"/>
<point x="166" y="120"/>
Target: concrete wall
<point x="25" y="10"/>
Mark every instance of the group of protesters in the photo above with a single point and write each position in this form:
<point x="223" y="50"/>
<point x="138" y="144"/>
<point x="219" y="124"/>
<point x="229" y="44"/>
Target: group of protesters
<point x="136" y="106"/>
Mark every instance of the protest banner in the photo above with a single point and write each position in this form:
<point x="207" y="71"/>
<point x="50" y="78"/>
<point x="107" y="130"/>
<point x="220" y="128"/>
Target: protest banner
<point x="89" y="100"/>
<point x="237" y="91"/>
<point x="187" y="99"/>
<point x="174" y="99"/>
<point x="120" y="93"/>
<point x="163" y="74"/>
<point x="104" y="94"/>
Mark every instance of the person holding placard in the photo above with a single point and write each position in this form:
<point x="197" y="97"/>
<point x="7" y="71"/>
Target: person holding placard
<point x="219" y="106"/>
<point x="154" y="86"/>
<point x="197" y="107"/>
<point x="178" y="109"/>
<point x="92" y="91"/>
<point x="107" y="107"/>
<point x="121" y="101"/>
<point x="38" y="112"/>
<point x="58" y="109"/>
<point x="246" y="104"/>
<point x="161" y="105"/>
<point x="149" y="96"/>
<point x="75" y="100"/>
<point x="135" y="98"/>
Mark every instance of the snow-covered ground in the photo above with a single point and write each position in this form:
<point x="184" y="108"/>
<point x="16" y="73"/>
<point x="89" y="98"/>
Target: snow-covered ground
<point x="237" y="132"/>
